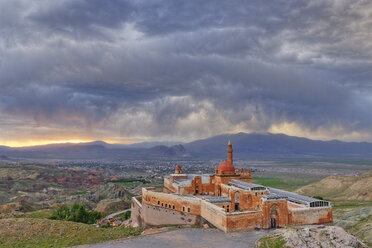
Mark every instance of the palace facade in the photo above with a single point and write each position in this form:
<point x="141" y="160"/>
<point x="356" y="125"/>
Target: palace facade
<point x="227" y="200"/>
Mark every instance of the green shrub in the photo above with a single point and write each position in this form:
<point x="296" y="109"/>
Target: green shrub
<point x="272" y="242"/>
<point x="76" y="213"/>
<point x="124" y="216"/>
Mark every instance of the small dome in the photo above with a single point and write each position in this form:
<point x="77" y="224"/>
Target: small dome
<point x="226" y="166"/>
<point x="178" y="167"/>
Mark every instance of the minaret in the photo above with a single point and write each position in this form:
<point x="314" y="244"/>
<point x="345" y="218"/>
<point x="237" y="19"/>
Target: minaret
<point x="230" y="152"/>
<point x="178" y="170"/>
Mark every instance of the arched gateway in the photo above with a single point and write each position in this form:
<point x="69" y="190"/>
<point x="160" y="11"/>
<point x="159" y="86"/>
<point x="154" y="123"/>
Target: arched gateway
<point x="274" y="217"/>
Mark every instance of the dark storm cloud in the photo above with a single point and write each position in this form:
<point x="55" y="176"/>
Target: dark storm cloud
<point x="184" y="69"/>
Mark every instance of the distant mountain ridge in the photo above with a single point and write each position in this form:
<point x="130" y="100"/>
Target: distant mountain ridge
<point x="261" y="144"/>
<point x="245" y="146"/>
<point x="93" y="150"/>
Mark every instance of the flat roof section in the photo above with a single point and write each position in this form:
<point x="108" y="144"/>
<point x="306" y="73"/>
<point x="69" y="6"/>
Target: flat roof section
<point x="217" y="199"/>
<point x="273" y="196"/>
<point x="311" y="202"/>
<point x="245" y="185"/>
<point x="190" y="177"/>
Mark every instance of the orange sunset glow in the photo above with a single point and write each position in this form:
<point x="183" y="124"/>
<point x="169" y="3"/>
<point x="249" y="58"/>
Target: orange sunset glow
<point x="40" y="142"/>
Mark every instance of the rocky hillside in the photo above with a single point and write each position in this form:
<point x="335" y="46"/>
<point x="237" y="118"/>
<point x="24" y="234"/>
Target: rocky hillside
<point x="352" y="199"/>
<point x="357" y="221"/>
<point x="112" y="205"/>
<point x="343" y="188"/>
<point x="311" y="237"/>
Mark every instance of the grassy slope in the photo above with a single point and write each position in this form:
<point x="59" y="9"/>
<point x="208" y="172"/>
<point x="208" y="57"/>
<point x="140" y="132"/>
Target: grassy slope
<point x="280" y="183"/>
<point x="351" y="197"/>
<point x="341" y="188"/>
<point x="285" y="181"/>
<point x="30" y="232"/>
<point x="356" y="220"/>
<point x="271" y="241"/>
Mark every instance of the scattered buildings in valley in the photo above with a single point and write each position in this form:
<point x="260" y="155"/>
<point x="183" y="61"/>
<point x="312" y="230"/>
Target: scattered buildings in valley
<point x="227" y="200"/>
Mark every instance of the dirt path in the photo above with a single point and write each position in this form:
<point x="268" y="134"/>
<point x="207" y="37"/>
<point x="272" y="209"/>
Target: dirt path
<point x="116" y="214"/>
<point x="187" y="238"/>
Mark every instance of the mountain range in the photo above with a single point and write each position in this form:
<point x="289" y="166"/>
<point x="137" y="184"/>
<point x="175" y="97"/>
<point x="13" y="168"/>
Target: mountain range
<point x="245" y="146"/>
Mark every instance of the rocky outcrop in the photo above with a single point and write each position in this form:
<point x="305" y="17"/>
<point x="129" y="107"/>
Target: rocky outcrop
<point x="112" y="205"/>
<point x="319" y="236"/>
<point x="357" y="221"/>
<point x="109" y="191"/>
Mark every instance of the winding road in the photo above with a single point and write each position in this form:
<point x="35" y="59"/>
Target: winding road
<point x="116" y="214"/>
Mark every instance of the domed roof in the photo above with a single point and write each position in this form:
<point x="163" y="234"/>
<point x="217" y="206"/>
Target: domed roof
<point x="178" y="167"/>
<point x="226" y="166"/>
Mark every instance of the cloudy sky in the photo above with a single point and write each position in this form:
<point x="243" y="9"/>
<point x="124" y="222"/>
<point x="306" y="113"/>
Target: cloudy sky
<point x="176" y="70"/>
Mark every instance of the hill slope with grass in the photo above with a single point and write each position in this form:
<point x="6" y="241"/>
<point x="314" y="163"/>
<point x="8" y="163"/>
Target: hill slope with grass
<point x="351" y="197"/>
<point x="28" y="232"/>
<point x="341" y="188"/>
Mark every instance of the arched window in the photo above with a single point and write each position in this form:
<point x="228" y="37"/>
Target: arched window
<point x="249" y="199"/>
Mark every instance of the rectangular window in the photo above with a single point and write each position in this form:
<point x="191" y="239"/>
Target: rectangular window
<point x="166" y="205"/>
<point x="158" y="202"/>
<point x="183" y="208"/>
<point x="188" y="210"/>
<point x="173" y="206"/>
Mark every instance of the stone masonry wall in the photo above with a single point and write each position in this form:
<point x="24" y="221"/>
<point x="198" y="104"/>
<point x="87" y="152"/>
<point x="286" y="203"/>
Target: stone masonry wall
<point x="298" y="216"/>
<point x="214" y="214"/>
<point x="155" y="216"/>
<point x="246" y="220"/>
<point x="170" y="201"/>
<point x="136" y="212"/>
<point x="230" y="221"/>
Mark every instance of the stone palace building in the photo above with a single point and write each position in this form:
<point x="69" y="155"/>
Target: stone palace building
<point x="227" y="200"/>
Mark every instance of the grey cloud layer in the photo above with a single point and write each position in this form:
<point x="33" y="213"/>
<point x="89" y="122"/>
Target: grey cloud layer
<point x="184" y="69"/>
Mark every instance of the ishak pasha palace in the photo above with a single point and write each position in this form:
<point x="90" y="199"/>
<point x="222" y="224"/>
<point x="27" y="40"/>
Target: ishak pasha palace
<point x="227" y="200"/>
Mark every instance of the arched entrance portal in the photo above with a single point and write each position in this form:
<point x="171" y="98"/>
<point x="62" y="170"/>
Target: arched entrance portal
<point x="274" y="217"/>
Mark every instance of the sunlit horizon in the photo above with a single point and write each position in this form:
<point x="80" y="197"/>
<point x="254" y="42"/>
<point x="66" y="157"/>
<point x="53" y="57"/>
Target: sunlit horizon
<point x="289" y="129"/>
<point x="40" y="143"/>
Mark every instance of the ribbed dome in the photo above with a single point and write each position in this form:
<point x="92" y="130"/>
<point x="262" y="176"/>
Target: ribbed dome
<point x="178" y="167"/>
<point x="226" y="166"/>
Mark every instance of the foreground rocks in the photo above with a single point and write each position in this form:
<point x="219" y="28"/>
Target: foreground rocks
<point x="319" y="236"/>
<point x="357" y="221"/>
